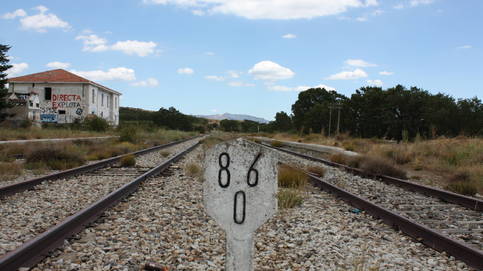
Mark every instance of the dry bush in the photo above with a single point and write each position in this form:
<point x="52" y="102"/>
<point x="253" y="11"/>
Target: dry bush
<point x="276" y="144"/>
<point x="461" y="176"/>
<point x="377" y="166"/>
<point x="339" y="158"/>
<point x="318" y="171"/>
<point x="463" y="187"/>
<point x="54" y="158"/>
<point x="192" y="169"/>
<point x="290" y="177"/>
<point x="128" y="160"/>
<point x="289" y="198"/>
<point x="10" y="170"/>
<point x="165" y="153"/>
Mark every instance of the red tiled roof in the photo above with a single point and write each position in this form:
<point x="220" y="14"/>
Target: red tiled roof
<point x="54" y="76"/>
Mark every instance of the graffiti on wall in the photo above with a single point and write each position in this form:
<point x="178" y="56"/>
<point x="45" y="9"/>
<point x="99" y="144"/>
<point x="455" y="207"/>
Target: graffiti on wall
<point x="48" y="117"/>
<point x="66" y="101"/>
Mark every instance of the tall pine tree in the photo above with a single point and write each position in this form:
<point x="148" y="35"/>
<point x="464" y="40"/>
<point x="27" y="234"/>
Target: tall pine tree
<point x="4" y="66"/>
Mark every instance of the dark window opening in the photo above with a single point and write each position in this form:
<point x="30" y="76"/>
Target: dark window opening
<point x="48" y="94"/>
<point x="37" y="105"/>
<point x="31" y="104"/>
<point x="33" y="85"/>
<point x="62" y="112"/>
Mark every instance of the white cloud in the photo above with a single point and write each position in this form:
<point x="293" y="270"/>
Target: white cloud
<point x="270" y="71"/>
<point x="269" y="9"/>
<point x="348" y="75"/>
<point x="94" y="43"/>
<point x="234" y="74"/>
<point x="465" y="47"/>
<point x="185" y="70"/>
<point x="14" y="14"/>
<point x="297" y="89"/>
<point x="377" y="82"/>
<point x="150" y="82"/>
<point x="209" y="53"/>
<point x="43" y="20"/>
<point x="58" y="65"/>
<point x="134" y="47"/>
<point x="377" y="12"/>
<point x="16" y="69"/>
<point x="361" y="19"/>
<point x="289" y="36"/>
<point x="119" y="73"/>
<point x="359" y="63"/>
<point x="214" y="78"/>
<point x="198" y="12"/>
<point x="399" y="6"/>
<point x="415" y="3"/>
<point x="386" y="73"/>
<point x="240" y="84"/>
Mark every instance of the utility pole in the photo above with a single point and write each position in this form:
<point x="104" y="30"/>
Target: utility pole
<point x="338" y="107"/>
<point x="330" y="118"/>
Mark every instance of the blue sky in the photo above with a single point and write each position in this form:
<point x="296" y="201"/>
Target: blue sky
<point x="251" y="56"/>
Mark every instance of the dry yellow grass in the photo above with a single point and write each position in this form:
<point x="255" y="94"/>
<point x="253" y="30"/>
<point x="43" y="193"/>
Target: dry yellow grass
<point x="440" y="157"/>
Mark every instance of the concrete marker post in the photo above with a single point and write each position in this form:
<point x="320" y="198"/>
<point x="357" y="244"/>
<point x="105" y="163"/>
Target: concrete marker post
<point x="240" y="194"/>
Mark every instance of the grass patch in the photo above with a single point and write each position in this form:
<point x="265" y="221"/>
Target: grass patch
<point x="318" y="171"/>
<point x="377" y="166"/>
<point x="54" y="158"/>
<point x="276" y="144"/>
<point x="128" y="160"/>
<point x="289" y="198"/>
<point x="193" y="170"/>
<point x="289" y="177"/>
<point x="10" y="171"/>
<point x="462" y="187"/>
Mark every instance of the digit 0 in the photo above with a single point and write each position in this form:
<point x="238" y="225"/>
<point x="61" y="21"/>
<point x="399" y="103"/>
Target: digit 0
<point x="224" y="168"/>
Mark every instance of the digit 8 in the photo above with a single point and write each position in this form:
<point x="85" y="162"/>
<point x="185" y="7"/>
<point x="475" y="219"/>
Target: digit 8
<point x="224" y="169"/>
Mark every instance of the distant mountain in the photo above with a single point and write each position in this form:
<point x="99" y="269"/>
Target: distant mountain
<point x="233" y="117"/>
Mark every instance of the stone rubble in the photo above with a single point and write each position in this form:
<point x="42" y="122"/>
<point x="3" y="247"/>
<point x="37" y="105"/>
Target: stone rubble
<point x="164" y="222"/>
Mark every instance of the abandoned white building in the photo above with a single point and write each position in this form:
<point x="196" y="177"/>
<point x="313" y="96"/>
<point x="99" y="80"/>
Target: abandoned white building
<point x="60" y="96"/>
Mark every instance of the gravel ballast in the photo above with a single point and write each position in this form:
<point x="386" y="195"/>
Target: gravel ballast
<point x="31" y="212"/>
<point x="164" y="222"/>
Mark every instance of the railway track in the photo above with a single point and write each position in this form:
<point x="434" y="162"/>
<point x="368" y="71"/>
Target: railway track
<point x="440" y="219"/>
<point x="25" y="185"/>
<point x="36" y="221"/>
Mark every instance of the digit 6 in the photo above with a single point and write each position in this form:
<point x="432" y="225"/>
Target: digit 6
<point x="250" y="170"/>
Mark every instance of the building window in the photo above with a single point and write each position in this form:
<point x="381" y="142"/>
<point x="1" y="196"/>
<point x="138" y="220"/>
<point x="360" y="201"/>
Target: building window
<point x="102" y="114"/>
<point x="48" y="94"/>
<point x="37" y="105"/>
<point x="115" y="102"/>
<point x="102" y="99"/>
<point x="93" y="95"/>
<point x="61" y="112"/>
<point x="31" y="104"/>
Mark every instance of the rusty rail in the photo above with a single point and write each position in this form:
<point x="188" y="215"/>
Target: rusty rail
<point x="468" y="202"/>
<point x="33" y="251"/>
<point x="22" y="186"/>
<point x="427" y="236"/>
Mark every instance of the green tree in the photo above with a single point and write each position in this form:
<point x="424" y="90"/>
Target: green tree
<point x="283" y="122"/>
<point x="230" y="125"/>
<point x="4" y="66"/>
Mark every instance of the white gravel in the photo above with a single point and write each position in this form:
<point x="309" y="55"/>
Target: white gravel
<point x="164" y="222"/>
<point x="26" y="214"/>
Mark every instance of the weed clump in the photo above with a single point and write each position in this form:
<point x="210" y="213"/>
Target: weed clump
<point x="318" y="171"/>
<point x="289" y="198"/>
<point x="377" y="166"/>
<point x="165" y="153"/>
<point x="463" y="187"/>
<point x="128" y="161"/>
<point x="10" y="170"/>
<point x="289" y="177"/>
<point x="54" y="158"/>
<point x="276" y="144"/>
<point x="193" y="170"/>
<point x="129" y="134"/>
<point x="94" y="123"/>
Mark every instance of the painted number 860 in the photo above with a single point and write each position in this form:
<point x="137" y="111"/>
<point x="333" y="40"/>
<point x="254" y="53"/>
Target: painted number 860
<point x="224" y="182"/>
